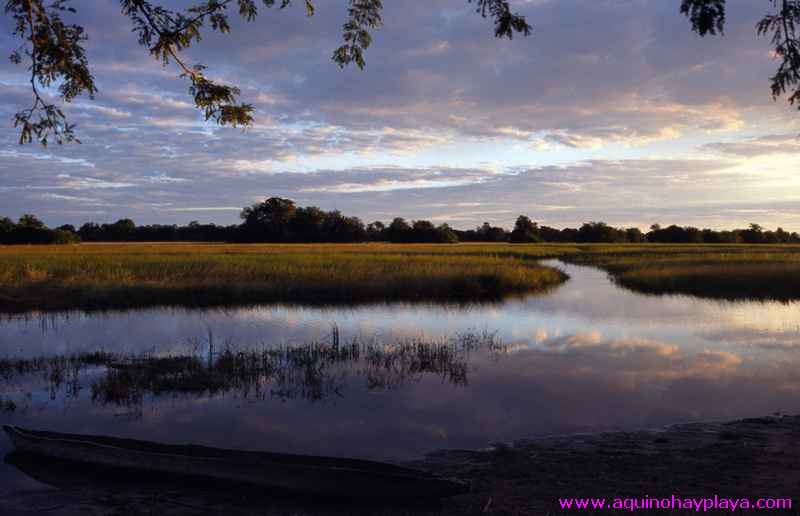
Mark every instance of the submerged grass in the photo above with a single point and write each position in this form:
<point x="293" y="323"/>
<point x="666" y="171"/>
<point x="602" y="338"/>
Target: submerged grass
<point x="312" y="372"/>
<point x="120" y="276"/>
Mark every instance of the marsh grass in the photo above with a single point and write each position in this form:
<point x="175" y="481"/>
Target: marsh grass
<point x="120" y="276"/>
<point x="140" y="275"/>
<point x="313" y="372"/>
<point x="57" y="371"/>
<point x="7" y="406"/>
<point x="733" y="272"/>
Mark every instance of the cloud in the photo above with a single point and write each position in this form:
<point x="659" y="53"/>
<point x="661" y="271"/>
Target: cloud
<point x="602" y="114"/>
<point x="72" y="198"/>
<point x="392" y="179"/>
<point x="622" y="192"/>
<point x="760" y="146"/>
<point x="765" y="339"/>
<point x="206" y="208"/>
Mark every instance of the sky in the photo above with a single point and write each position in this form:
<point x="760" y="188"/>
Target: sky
<point x="612" y="110"/>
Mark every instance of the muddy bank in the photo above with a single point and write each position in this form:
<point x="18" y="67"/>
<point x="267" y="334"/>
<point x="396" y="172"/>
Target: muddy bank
<point x="750" y="458"/>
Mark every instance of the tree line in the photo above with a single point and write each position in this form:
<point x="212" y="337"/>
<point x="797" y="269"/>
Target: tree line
<point x="280" y="220"/>
<point x="30" y="230"/>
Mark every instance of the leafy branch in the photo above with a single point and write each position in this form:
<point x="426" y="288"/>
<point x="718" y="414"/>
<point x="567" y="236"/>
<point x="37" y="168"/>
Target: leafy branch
<point x="708" y="17"/>
<point x="783" y="26"/>
<point x="506" y="23"/>
<point x="362" y="15"/>
<point x="167" y="33"/>
<point x="56" y="53"/>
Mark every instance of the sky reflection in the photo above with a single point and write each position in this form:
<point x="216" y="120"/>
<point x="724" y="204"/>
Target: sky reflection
<point x="589" y="356"/>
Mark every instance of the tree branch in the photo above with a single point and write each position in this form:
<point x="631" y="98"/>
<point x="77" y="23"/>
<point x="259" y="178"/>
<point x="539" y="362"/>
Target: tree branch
<point x="57" y="55"/>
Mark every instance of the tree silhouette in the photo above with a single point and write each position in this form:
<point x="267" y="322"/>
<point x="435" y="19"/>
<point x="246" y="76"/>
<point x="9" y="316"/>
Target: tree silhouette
<point x="525" y="231"/>
<point x="280" y="220"/>
<point x="269" y="220"/>
<point x="30" y="221"/>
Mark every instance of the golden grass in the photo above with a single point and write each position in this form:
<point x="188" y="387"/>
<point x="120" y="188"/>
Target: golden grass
<point x="102" y="276"/>
<point x="713" y="271"/>
<point x="135" y="275"/>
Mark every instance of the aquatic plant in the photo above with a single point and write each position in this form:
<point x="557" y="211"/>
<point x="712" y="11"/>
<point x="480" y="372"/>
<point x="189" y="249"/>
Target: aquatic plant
<point x="7" y="405"/>
<point x="313" y="372"/>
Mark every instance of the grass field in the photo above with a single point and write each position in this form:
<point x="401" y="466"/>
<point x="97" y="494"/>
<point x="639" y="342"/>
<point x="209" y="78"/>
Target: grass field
<point x="734" y="272"/>
<point x="106" y="276"/>
<point x="137" y="275"/>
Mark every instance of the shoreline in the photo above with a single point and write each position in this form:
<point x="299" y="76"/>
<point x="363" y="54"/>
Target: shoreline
<point x="746" y="458"/>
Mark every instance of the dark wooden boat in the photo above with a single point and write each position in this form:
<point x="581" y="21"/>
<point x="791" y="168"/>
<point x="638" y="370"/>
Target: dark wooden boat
<point x="324" y="476"/>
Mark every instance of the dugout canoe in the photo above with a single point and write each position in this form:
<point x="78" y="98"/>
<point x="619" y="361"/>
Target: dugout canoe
<point x="322" y="476"/>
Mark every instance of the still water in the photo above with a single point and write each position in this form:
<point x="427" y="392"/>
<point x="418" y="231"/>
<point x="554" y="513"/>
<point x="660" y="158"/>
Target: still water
<point x="588" y="356"/>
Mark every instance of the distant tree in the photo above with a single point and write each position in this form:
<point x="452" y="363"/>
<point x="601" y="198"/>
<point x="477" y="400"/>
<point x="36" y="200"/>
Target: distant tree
<point x="549" y="234"/>
<point x="570" y="235"/>
<point x="30" y="221"/>
<point x="193" y="232"/>
<point x="634" y="235"/>
<point x="489" y="233"/>
<point x="753" y="234"/>
<point x="770" y="237"/>
<point x="90" y="232"/>
<point x="525" y="231"/>
<point x="6" y="225"/>
<point x="730" y="237"/>
<point x="375" y="231"/>
<point x="307" y="224"/>
<point x="279" y="220"/>
<point x="398" y="231"/>
<point x="60" y="236"/>
<point x="670" y="234"/>
<point x="352" y="230"/>
<point x="120" y="231"/>
<point x="338" y="228"/>
<point x="269" y="220"/>
<point x="419" y="231"/>
<point x="711" y="237"/>
<point x="693" y="235"/>
<point x="31" y="230"/>
<point x="445" y="235"/>
<point x="423" y="231"/>
<point x="600" y="232"/>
